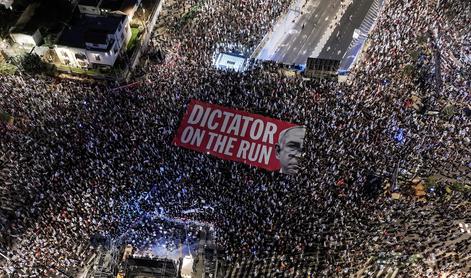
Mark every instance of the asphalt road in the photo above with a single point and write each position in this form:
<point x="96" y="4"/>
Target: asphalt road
<point x="336" y="46"/>
<point x="296" y="35"/>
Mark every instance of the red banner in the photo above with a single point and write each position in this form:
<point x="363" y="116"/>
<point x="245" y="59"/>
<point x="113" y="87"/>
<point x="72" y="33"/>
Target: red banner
<point x="240" y="136"/>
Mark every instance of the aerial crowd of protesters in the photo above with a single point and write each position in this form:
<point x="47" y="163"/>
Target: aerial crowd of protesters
<point x="81" y="159"/>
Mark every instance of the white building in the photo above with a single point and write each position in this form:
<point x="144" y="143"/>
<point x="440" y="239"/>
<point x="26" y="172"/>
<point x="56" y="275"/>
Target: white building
<point x="99" y="36"/>
<point x="26" y="30"/>
<point x="93" y="41"/>
<point x="7" y="3"/>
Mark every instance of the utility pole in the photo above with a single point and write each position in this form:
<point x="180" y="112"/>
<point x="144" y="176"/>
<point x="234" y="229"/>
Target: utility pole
<point x="8" y="259"/>
<point x="394" y="185"/>
<point x="438" y="72"/>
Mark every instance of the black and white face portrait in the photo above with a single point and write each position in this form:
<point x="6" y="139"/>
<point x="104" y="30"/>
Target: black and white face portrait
<point x="290" y="149"/>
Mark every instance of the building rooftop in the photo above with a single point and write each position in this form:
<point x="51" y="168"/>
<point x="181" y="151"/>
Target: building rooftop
<point x="96" y="36"/>
<point x="6" y="3"/>
<point x="91" y="29"/>
<point x="29" y="21"/>
<point x="112" y="5"/>
<point x="118" y="5"/>
<point x="49" y="15"/>
<point x="93" y="3"/>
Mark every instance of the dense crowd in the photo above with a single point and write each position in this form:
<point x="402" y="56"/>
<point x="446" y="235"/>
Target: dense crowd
<point x="82" y="159"/>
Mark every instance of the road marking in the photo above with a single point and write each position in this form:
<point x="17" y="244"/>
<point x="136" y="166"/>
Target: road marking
<point x="266" y="50"/>
<point x="325" y="37"/>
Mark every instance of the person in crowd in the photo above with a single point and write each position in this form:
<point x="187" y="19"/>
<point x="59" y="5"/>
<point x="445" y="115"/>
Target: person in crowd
<point x="289" y="149"/>
<point x="83" y="159"/>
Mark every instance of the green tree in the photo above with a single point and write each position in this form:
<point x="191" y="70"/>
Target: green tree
<point x="33" y="64"/>
<point x="6" y="68"/>
<point x="408" y="70"/>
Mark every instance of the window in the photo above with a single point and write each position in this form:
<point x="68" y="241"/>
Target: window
<point x="122" y="36"/>
<point x="80" y="56"/>
<point x="64" y="53"/>
<point x="97" y="57"/>
<point x="115" y="50"/>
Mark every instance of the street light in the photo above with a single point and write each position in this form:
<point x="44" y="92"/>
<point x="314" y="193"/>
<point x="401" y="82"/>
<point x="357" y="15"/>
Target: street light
<point x="8" y="259"/>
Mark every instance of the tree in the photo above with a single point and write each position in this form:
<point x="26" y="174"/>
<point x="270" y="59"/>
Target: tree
<point x="32" y="63"/>
<point x="6" y="68"/>
<point x="408" y="70"/>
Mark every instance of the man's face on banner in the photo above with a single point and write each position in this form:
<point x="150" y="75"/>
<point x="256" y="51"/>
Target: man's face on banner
<point x="290" y="148"/>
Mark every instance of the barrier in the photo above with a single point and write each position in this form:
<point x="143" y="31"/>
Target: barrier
<point x="360" y="38"/>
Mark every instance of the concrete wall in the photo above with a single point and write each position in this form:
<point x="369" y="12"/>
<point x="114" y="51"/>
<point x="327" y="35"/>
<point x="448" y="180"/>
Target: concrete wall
<point x="129" y="13"/>
<point x="127" y="35"/>
<point x="6" y="3"/>
<point x="67" y="55"/>
<point x="26" y="39"/>
<point x="102" y="58"/>
<point x="92" y="45"/>
<point x="142" y="45"/>
<point x="89" y="10"/>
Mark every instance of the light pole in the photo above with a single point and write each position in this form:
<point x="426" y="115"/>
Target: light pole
<point x="6" y="268"/>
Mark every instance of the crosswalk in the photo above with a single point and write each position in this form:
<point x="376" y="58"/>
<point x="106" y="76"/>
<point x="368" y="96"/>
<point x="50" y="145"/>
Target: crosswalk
<point x="357" y="43"/>
<point x="369" y="21"/>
